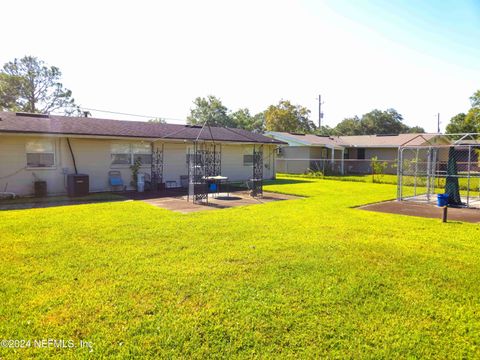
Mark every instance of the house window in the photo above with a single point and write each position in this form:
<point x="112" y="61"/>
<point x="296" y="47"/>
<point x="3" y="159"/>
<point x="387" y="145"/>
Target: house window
<point x="127" y="153"/>
<point x="121" y="154"/>
<point x="324" y="153"/>
<point x="346" y="154"/>
<point x="191" y="157"/>
<point x="40" y="154"/>
<point x="361" y="154"/>
<point x="247" y="160"/>
<point x="142" y="152"/>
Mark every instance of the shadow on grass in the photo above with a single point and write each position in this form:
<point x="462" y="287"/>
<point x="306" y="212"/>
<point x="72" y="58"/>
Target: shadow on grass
<point x="286" y="181"/>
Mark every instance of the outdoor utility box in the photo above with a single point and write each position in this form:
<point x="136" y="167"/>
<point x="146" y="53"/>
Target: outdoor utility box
<point x="77" y="184"/>
<point x="40" y="188"/>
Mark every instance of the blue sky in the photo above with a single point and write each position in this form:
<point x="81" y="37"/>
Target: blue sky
<point x="155" y="57"/>
<point x="446" y="29"/>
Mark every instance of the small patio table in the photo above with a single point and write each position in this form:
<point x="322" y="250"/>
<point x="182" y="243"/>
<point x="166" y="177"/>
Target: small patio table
<point x="217" y="180"/>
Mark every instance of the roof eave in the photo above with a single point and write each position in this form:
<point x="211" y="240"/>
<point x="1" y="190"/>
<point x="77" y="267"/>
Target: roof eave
<point x="135" y="137"/>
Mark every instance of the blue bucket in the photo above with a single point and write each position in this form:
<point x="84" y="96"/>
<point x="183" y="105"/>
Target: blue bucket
<point x="442" y="200"/>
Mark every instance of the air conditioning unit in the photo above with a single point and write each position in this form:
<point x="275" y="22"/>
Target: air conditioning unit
<point x="78" y="184"/>
<point x="280" y="151"/>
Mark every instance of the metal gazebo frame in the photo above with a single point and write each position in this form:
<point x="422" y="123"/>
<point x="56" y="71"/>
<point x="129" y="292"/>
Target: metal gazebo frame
<point x="156" y="170"/>
<point x="257" y="179"/>
<point x="203" y="162"/>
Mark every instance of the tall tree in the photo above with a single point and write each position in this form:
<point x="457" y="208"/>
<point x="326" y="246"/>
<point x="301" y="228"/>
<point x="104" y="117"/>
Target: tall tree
<point x="209" y="109"/>
<point x="469" y="122"/>
<point x="475" y="100"/>
<point x="349" y="126"/>
<point x="326" y="130"/>
<point x="458" y="125"/>
<point x="288" y="117"/>
<point x="383" y="122"/>
<point x="244" y="120"/>
<point x="29" y="85"/>
<point x="376" y="122"/>
<point x="416" y="130"/>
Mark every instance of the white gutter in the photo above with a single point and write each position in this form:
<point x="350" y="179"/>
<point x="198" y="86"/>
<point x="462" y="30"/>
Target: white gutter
<point x="107" y="137"/>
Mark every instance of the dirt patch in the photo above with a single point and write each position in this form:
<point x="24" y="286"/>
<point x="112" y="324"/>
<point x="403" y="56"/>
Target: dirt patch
<point x="424" y="210"/>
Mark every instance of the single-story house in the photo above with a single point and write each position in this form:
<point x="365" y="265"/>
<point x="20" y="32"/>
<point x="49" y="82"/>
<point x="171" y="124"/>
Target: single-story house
<point x="344" y="154"/>
<point x="49" y="147"/>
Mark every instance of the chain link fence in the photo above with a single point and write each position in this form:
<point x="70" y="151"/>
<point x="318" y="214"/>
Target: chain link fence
<point x="424" y="172"/>
<point x="333" y="167"/>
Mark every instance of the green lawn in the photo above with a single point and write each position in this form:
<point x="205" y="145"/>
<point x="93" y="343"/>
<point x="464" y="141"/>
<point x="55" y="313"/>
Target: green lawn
<point x="311" y="277"/>
<point x="439" y="182"/>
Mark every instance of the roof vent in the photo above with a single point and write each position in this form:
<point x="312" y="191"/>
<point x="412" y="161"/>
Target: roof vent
<point x="194" y="126"/>
<point x="380" y="135"/>
<point x="42" y="116"/>
<point x="322" y="136"/>
<point x="299" y="134"/>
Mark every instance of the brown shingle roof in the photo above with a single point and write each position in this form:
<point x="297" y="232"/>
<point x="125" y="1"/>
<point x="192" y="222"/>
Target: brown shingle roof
<point x="357" y="140"/>
<point x="388" y="140"/>
<point x="65" y="125"/>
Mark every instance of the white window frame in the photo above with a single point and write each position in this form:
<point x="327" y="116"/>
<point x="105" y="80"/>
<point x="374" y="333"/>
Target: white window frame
<point x="53" y="152"/>
<point x="247" y="163"/>
<point x="131" y="154"/>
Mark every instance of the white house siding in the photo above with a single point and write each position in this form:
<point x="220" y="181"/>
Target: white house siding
<point x="15" y="177"/>
<point x="234" y="168"/>
<point x="174" y="161"/>
<point x="93" y="157"/>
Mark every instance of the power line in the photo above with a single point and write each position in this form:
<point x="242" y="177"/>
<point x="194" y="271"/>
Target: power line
<point x="129" y="114"/>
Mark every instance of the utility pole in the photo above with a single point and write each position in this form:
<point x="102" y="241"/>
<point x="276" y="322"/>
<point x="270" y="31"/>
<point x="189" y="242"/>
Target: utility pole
<point x="438" y="123"/>
<point x="320" y="114"/>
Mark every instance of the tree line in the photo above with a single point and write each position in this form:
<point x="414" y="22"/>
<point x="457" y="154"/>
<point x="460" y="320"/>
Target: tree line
<point x="30" y="85"/>
<point x="287" y="117"/>
<point x="468" y="122"/>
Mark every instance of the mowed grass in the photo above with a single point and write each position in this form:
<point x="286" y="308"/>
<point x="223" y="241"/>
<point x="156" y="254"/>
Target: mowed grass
<point x="302" y="278"/>
<point x="408" y="181"/>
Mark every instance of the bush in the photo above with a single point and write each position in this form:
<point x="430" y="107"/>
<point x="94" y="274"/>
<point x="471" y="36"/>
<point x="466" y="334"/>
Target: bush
<point x="378" y="168"/>
<point x="314" y="173"/>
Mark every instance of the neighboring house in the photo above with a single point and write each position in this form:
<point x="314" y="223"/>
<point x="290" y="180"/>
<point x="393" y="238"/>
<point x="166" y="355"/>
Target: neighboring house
<point x="36" y="146"/>
<point x="344" y="154"/>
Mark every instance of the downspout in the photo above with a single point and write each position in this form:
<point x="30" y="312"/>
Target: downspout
<point x="333" y="159"/>
<point x="73" y="156"/>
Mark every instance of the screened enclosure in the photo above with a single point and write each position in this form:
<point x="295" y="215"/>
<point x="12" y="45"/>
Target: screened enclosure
<point x="453" y="169"/>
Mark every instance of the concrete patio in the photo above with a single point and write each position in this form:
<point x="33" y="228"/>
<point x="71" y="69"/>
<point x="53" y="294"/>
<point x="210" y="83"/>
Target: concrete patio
<point x="180" y="204"/>
<point x="170" y="199"/>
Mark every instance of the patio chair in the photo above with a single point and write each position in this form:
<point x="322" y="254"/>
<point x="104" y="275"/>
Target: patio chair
<point x="6" y="194"/>
<point x="115" y="180"/>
